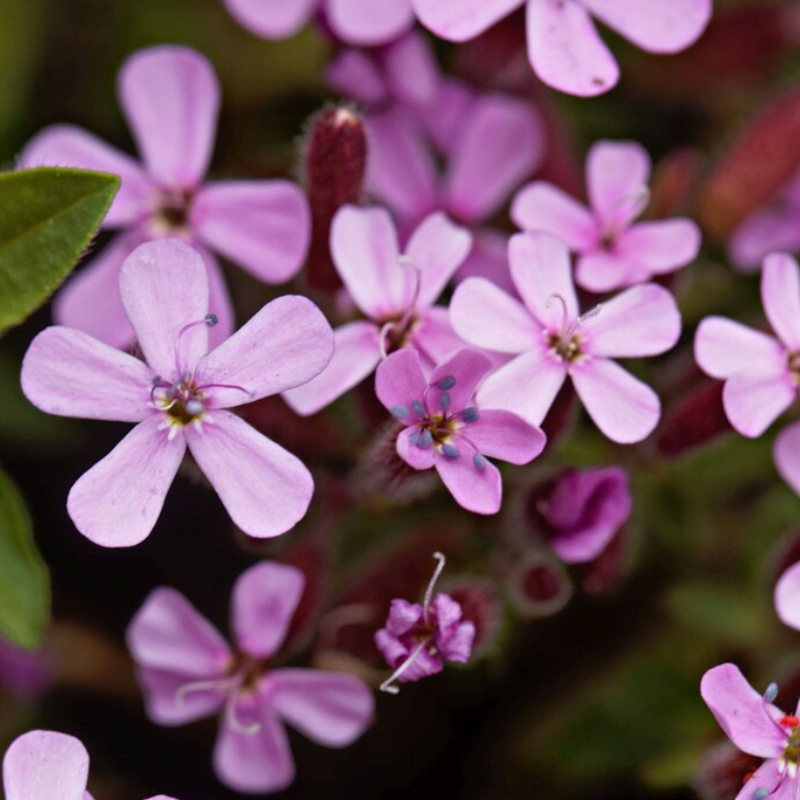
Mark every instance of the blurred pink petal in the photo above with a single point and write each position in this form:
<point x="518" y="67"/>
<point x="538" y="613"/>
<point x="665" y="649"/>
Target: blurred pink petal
<point x="369" y="22"/>
<point x="272" y="19"/>
<point x="723" y="347"/>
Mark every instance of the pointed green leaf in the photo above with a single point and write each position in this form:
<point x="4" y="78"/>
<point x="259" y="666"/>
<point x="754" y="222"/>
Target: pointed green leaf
<point x="48" y="216"/>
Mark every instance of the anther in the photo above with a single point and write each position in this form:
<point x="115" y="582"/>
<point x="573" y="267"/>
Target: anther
<point x="424" y="440"/>
<point x="470" y="414"/>
<point x="760" y="794"/>
<point x="194" y="407"/>
<point x="771" y="693"/>
<point x="444" y="401"/>
<point x="399" y="412"/>
<point x="445" y="384"/>
<point x="211" y="320"/>
<point x="479" y="461"/>
<point x="449" y="451"/>
<point x="419" y="409"/>
<point x="789" y="721"/>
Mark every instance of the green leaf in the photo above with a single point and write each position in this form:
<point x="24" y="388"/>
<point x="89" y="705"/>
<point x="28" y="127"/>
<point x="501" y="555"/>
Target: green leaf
<point x="24" y="579"/>
<point x="48" y="216"/>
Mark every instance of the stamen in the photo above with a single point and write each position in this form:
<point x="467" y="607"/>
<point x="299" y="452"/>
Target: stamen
<point x="789" y="721"/>
<point x="479" y="461"/>
<point x="429" y="591"/>
<point x="424" y="439"/>
<point x="386" y="686"/>
<point x="418" y="408"/>
<point x="449" y="451"/>
<point x="399" y="412"/>
<point x="444" y="401"/>
<point x="209" y="319"/>
<point x="445" y="384"/>
<point x="771" y="693"/>
<point x="589" y="314"/>
<point x="194" y="407"/>
<point x="383" y="337"/>
<point x="223" y="386"/>
<point x="564" y="311"/>
<point x="760" y="794"/>
<point x="408" y="262"/>
<point x="220" y="684"/>
<point x="233" y="721"/>
<point x="470" y="414"/>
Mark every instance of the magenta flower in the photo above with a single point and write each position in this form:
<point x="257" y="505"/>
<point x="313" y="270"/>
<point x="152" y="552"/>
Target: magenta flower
<point x="787" y="597"/>
<point x="564" y="47"/>
<point x="418" y="638"/>
<point x="178" y="397"/>
<point x="188" y="671"/>
<point x="612" y="252"/>
<point x="45" y="765"/>
<point x="551" y="340"/>
<point x="446" y="430"/>
<point x="757" y="727"/>
<point x="358" y="22"/>
<point x="170" y="97"/>
<point x="395" y="291"/>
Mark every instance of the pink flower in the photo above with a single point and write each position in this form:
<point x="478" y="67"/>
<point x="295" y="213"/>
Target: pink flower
<point x="418" y="638"/>
<point x="396" y="292"/>
<point x="45" y="765"/>
<point x="787" y="597"/>
<point x="446" y="430"/>
<point x="757" y="727"/>
<point x="170" y="97"/>
<point x="552" y="341"/>
<point x="188" y="671"/>
<point x="564" y="47"/>
<point x="358" y="22"/>
<point x="178" y="397"/>
<point x="612" y="251"/>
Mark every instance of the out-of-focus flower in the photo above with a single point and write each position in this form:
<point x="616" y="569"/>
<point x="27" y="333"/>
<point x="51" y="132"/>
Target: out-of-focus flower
<point x="551" y="340"/>
<point x="188" y="671"/>
<point x="564" y="47"/>
<point x="45" y="765"/>
<point x="25" y="673"/>
<point x="612" y="251"/>
<point x="418" y="638"/>
<point x="178" y="397"/>
<point x="170" y="97"/>
<point x="787" y="597"/>
<point x="538" y="585"/>
<point x="395" y="291"/>
<point x="446" y="430"/>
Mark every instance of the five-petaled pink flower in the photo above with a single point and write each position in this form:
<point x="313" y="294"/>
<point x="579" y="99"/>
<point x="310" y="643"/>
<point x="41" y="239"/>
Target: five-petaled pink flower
<point x="170" y="97"/>
<point x="564" y="47"/>
<point x="757" y="727"/>
<point x="178" y="397"/>
<point x="445" y="429"/>
<point x="551" y="340"/>
<point x="612" y="251"/>
<point x="47" y="765"/>
<point x="188" y="671"/>
<point x="395" y="291"/>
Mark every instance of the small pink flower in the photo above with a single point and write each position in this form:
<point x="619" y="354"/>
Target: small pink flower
<point x="552" y="341"/>
<point x="564" y="47"/>
<point x="612" y="251"/>
<point x="787" y="597"/>
<point x="757" y="727"/>
<point x="448" y="431"/>
<point x="170" y="97"/>
<point x="418" y="638"/>
<point x="188" y="671"/>
<point x="178" y="397"/>
<point x="395" y="291"/>
<point x="45" y="765"/>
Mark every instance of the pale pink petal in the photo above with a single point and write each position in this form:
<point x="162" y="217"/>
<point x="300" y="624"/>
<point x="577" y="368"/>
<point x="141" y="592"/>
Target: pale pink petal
<point x="40" y="765"/>
<point x="616" y="179"/>
<point x="437" y="248"/>
<point x="753" y="400"/>
<point x="541" y="206"/>
<point x="356" y="354"/>
<point x="69" y="373"/>
<point x="170" y="96"/>
<point x="625" y="409"/>
<point x="770" y="231"/>
<point x="367" y="256"/>
<point x="602" y="271"/>
<point x="780" y="293"/>
<point x="641" y="321"/>
<point x="272" y="19"/>
<point x="399" y="381"/>
<point x="723" y="347"/>
<point x="219" y="300"/>
<point x="742" y="712"/>
<point x="264" y="600"/>
<point x="527" y="386"/>
<point x="477" y="490"/>
<point x="541" y="271"/>
<point x="416" y="457"/>
<point x="164" y="286"/>
<point x="661" y="246"/>
<point x="488" y="317"/>
<point x="659" y="26"/>
<point x="264" y="488"/>
<point x="263" y="226"/>
<point x="786" y="454"/>
<point x="770" y="777"/>
<point x="566" y="51"/>
<point x="329" y="708"/>
<point x="433" y="335"/>
<point x="504" y="435"/>
<point x="286" y="344"/>
<point x="71" y="146"/>
<point x="500" y="144"/>
<point x="177" y="698"/>
<point x="462" y="20"/>
<point x="117" y="502"/>
<point x="369" y="22"/>
<point x="453" y="102"/>
<point x="467" y="367"/>
<point x="412" y="71"/>
<point x="354" y="74"/>
<point x="488" y="259"/>
<point x="787" y="597"/>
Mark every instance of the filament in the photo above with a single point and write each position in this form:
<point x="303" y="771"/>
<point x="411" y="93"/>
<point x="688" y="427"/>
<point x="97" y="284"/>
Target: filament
<point x="233" y="721"/>
<point x="429" y="591"/>
<point x="386" y="686"/>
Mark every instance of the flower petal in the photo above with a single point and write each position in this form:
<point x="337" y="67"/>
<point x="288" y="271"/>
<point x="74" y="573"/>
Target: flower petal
<point x="357" y="76"/>
<point x="412" y="70"/>
<point x="769" y="231"/>
<point x="661" y="246"/>
<point x="219" y="300"/>
<point x="369" y="22"/>
<point x="742" y="712"/>
<point x="465" y="369"/>
<point x="172" y="698"/>
<point x="264" y="488"/>
<point x="625" y="409"/>
<point x="540" y="206"/>
<point x="416" y="457"/>
<point x="264" y="600"/>
<point x="117" y="502"/>
<point x="780" y="293"/>
<point x="787" y="597"/>
<point x="504" y="435"/>
<point x="602" y="271"/>
<point x="770" y="777"/>
<point x="329" y="708"/>
<point x="263" y="226"/>
<point x="488" y="259"/>
<point x="399" y="381"/>
<point x="164" y="286"/>
<point x="462" y="20"/>
<point x="477" y="490"/>
<point x="433" y="336"/>
<point x="786" y="454"/>
<point x="170" y="96"/>
<point x="723" y="347"/>
<point x="272" y="19"/>
<point x="45" y="764"/>
<point x="67" y="372"/>
<point x="616" y="179"/>
<point x="753" y="400"/>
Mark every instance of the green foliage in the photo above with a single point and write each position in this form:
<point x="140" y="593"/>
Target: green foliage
<point x="48" y="216"/>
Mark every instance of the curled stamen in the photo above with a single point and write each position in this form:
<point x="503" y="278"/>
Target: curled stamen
<point x="417" y="272"/>
<point x="429" y="591"/>
<point x="223" y="386"/>
<point x="233" y="721"/>
<point x="209" y="319"/>
<point x="564" y="310"/>
<point x="383" y="337"/>
<point x="589" y="315"/>
<point x="386" y="686"/>
<point x="220" y="684"/>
